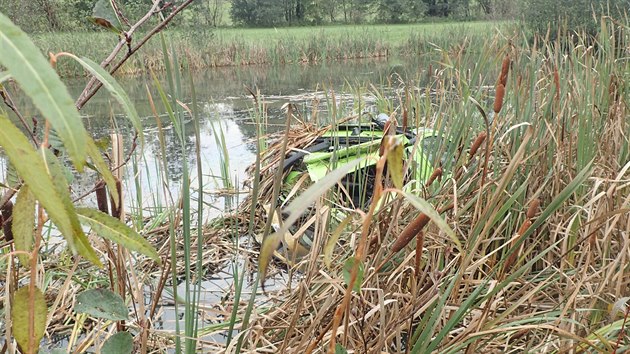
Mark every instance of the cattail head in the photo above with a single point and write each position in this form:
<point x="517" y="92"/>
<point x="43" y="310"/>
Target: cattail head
<point x="512" y="257"/>
<point x="437" y="173"/>
<point x="556" y="81"/>
<point x="505" y="68"/>
<point x="475" y="146"/>
<point x="526" y="224"/>
<point x="509" y="262"/>
<point x="498" y="99"/>
<point x="533" y="208"/>
<point x="101" y="196"/>
<point x="410" y="231"/>
<point x="6" y="218"/>
<point x="414" y="228"/>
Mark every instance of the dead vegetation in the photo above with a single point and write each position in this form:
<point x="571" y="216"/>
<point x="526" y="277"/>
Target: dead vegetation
<point x="540" y="209"/>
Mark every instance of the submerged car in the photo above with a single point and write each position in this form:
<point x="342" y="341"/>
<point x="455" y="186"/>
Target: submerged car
<point x="423" y="152"/>
<point x="348" y="142"/>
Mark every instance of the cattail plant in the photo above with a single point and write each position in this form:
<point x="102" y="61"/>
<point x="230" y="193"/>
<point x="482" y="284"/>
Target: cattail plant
<point x="477" y="144"/>
<point x="505" y="69"/>
<point x="501" y="83"/>
<point x="529" y="215"/>
<point x="437" y="174"/>
<point x="498" y="99"/>
<point x="410" y="231"/>
<point x="556" y="81"/>
<point x="414" y="228"/>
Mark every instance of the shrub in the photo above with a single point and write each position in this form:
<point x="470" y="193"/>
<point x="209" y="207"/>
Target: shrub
<point x="570" y="15"/>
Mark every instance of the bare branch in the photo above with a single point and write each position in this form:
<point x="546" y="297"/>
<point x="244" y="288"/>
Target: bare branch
<point x="8" y="101"/>
<point x="94" y="85"/>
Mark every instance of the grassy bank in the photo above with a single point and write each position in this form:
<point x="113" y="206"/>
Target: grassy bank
<point x="235" y="46"/>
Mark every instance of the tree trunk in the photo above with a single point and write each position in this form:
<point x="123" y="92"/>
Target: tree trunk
<point x="51" y="15"/>
<point x="485" y="6"/>
<point x="299" y="10"/>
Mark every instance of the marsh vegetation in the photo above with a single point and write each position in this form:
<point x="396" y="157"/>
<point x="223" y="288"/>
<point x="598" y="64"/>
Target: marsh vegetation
<point x="518" y="240"/>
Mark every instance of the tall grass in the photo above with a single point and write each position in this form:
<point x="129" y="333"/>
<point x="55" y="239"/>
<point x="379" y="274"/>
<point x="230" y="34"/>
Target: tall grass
<point x="234" y="47"/>
<point x="539" y="209"/>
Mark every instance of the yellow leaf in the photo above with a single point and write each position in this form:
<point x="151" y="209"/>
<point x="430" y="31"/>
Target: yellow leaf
<point x="332" y="241"/>
<point x="23" y="222"/>
<point x="20" y="315"/>
<point x="394" y="150"/>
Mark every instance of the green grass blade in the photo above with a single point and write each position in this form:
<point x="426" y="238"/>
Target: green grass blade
<point x="462" y="310"/>
<point x="200" y="237"/>
<point x="559" y="199"/>
<point x="102" y="168"/>
<point x="424" y="340"/>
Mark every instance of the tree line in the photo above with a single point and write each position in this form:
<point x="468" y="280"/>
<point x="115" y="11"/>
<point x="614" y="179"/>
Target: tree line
<point x="296" y="12"/>
<point x="70" y="15"/>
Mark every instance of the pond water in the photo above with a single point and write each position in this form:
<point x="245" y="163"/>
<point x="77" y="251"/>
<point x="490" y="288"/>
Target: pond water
<point x="226" y="107"/>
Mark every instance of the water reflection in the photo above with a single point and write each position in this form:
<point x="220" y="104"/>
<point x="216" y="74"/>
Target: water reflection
<point x="226" y="107"/>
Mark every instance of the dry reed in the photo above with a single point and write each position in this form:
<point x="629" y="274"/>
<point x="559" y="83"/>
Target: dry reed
<point x="532" y="292"/>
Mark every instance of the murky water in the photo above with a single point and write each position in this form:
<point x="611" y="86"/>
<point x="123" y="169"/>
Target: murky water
<point x="225" y="107"/>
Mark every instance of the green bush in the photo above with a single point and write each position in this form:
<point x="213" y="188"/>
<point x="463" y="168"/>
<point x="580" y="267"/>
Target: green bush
<point x="568" y="16"/>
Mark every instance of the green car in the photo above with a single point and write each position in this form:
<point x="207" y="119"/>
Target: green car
<point x="349" y="142"/>
<point x="341" y="146"/>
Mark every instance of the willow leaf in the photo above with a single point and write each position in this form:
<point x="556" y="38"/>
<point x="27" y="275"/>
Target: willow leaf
<point x="34" y="171"/>
<point x="114" y="88"/>
<point x="102" y="303"/>
<point x="104" y="15"/>
<point x="60" y="183"/>
<point x="119" y="343"/>
<point x="20" y="309"/>
<point x="41" y="83"/>
<point x="23" y="223"/>
<point x="113" y="229"/>
<point x="395" y="150"/>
